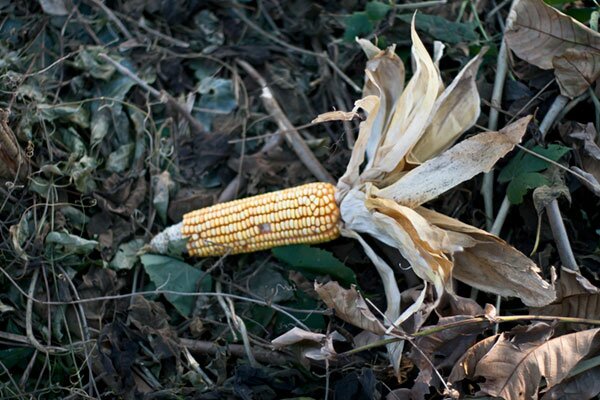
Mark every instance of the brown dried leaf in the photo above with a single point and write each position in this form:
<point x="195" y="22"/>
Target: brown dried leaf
<point x="547" y="38"/>
<point x="442" y="349"/>
<point x="583" y="138"/>
<point x="350" y="306"/>
<point x="465" y="367"/>
<point x="13" y="163"/>
<point x="575" y="297"/>
<point x="515" y="364"/>
<point x="488" y="263"/>
<point x="576" y="71"/>
<point x="335" y="116"/>
<point x="581" y="387"/>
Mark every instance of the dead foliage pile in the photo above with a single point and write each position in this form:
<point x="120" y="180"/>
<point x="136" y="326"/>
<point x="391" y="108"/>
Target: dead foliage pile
<point x="463" y="140"/>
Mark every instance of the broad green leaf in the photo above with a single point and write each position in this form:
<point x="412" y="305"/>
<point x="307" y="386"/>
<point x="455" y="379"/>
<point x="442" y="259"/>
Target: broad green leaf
<point x="69" y="112"/>
<point x="72" y="140"/>
<point x="81" y="173"/>
<point x="271" y="285"/>
<point x="315" y="261"/>
<point x="14" y="356"/>
<point x="218" y="96"/>
<point x="518" y="187"/>
<point x="120" y="159"/>
<point x="174" y="275"/>
<point x="357" y="24"/>
<point x="100" y="124"/>
<point x="88" y="60"/>
<point x="126" y="255"/>
<point x="70" y="243"/>
<point x="525" y="162"/>
<point x="376" y="10"/>
<point x="443" y="30"/>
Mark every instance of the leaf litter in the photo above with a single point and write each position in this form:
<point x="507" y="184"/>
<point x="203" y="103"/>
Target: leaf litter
<point x="118" y="118"/>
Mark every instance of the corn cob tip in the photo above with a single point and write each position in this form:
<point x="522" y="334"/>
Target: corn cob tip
<point x="160" y="243"/>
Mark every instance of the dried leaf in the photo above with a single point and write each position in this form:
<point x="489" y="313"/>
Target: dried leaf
<point x="576" y="71"/>
<point x="13" y="163"/>
<point x="458" y="164"/>
<point x="488" y="263"/>
<point x="335" y="116"/>
<point x="316" y="346"/>
<point x="443" y="349"/>
<point x="547" y="38"/>
<point x="515" y="365"/>
<point x="349" y="306"/>
<point x="455" y="111"/>
<point x="581" y="387"/>
<point x="575" y="297"/>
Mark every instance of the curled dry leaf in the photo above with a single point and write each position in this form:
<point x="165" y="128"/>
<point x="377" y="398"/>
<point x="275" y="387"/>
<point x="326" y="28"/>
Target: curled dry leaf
<point x="581" y="387"/>
<point x="575" y="297"/>
<point x="13" y="163"/>
<point x="442" y="349"/>
<point x="350" y="306"/>
<point x="514" y="363"/>
<point x="583" y="138"/>
<point x="316" y="346"/>
<point x="547" y="38"/>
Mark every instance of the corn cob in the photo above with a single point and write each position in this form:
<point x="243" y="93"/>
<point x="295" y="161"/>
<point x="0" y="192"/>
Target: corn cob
<point x="304" y="214"/>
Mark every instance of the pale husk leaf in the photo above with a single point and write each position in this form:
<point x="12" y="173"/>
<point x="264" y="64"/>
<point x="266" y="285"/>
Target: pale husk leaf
<point x="462" y="162"/>
<point x="411" y="113"/>
<point x="455" y="111"/>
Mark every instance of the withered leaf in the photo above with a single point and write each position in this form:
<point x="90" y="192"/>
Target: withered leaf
<point x="350" y="306"/>
<point x="547" y="38"/>
<point x="575" y="297"/>
<point x="516" y="361"/>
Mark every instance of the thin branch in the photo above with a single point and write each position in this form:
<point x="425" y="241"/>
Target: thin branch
<point x="471" y="321"/>
<point x="292" y="136"/>
<point x="160" y="95"/>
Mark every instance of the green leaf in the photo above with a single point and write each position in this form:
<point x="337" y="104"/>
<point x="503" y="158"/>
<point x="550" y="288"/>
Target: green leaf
<point x="69" y="112"/>
<point x="126" y="255"/>
<point x="15" y="355"/>
<point x="357" y="24"/>
<point x="218" y="96"/>
<point x="174" y="275"/>
<point x="71" y="243"/>
<point x="518" y="187"/>
<point x="120" y="159"/>
<point x="524" y="162"/>
<point x="443" y="30"/>
<point x="314" y="260"/>
<point x="376" y="10"/>
<point x="88" y="60"/>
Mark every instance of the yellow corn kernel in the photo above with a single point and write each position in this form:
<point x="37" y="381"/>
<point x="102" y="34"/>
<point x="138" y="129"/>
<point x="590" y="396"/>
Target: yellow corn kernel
<point x="304" y="214"/>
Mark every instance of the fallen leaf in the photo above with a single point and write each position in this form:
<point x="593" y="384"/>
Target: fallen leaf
<point x="316" y="346"/>
<point x="575" y="297"/>
<point x="581" y="387"/>
<point x="516" y="361"/>
<point x="488" y="263"/>
<point x="547" y="38"/>
<point x="349" y="306"/>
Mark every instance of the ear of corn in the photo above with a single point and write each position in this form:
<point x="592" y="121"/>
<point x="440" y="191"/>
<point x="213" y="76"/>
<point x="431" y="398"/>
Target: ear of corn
<point x="304" y="214"/>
